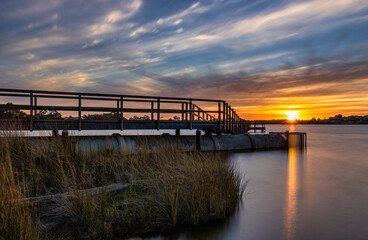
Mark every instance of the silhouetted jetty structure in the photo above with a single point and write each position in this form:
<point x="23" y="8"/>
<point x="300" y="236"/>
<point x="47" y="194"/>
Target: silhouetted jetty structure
<point x="300" y="138"/>
<point x="209" y="115"/>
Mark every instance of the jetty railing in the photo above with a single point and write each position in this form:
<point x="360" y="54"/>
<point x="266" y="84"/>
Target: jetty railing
<point x="221" y="118"/>
<point x="257" y="126"/>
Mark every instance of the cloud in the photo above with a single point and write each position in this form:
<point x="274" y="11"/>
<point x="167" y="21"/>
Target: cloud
<point x="171" y="20"/>
<point x="35" y="7"/>
<point x="36" y="43"/>
<point x="93" y="43"/>
<point x="328" y="78"/>
<point x="70" y="81"/>
<point x="249" y="53"/>
<point x="110" y="22"/>
<point x="28" y="56"/>
<point x="62" y="63"/>
<point x="294" y="20"/>
<point x="48" y="20"/>
<point x="237" y="64"/>
<point x="128" y="9"/>
<point x="139" y="30"/>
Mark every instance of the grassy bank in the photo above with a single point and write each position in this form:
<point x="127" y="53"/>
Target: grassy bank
<point x="170" y="189"/>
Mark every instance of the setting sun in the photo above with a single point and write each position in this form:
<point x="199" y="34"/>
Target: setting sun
<point x="292" y="115"/>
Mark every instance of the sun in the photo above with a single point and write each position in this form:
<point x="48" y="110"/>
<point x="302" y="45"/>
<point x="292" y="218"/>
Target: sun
<point x="292" y="115"/>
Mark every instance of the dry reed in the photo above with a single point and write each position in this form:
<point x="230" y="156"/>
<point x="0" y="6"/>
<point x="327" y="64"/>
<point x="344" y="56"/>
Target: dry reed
<point x="179" y="189"/>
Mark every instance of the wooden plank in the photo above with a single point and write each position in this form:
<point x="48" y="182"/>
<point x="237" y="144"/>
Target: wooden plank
<point x="67" y="195"/>
<point x="103" y="95"/>
<point x="88" y="109"/>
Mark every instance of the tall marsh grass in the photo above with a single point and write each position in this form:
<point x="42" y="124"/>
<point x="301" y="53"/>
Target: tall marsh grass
<point x="170" y="189"/>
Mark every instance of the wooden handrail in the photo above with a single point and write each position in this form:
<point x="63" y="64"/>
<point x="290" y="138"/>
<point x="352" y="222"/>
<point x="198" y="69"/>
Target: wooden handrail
<point x="226" y="121"/>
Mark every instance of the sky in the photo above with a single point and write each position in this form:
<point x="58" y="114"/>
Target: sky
<point x="268" y="59"/>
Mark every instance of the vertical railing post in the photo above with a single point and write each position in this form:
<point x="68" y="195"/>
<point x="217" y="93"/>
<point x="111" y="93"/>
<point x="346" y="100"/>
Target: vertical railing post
<point x="226" y="116"/>
<point x="121" y="113"/>
<point x="35" y="107"/>
<point x="237" y="123"/>
<point x="186" y="111"/>
<point x="229" y="113"/>
<point x="117" y="110"/>
<point x="219" y="115"/>
<point x="233" y="120"/>
<point x="158" y="113"/>
<point x="182" y="111"/>
<point x="152" y="106"/>
<point x="223" y="114"/>
<point x="190" y="114"/>
<point x="230" y="118"/>
<point x="31" y="111"/>
<point x="79" y="112"/>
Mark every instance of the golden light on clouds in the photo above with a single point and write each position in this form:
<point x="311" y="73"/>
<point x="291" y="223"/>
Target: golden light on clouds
<point x="305" y="108"/>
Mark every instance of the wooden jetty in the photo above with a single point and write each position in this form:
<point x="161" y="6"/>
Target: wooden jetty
<point x="209" y="115"/>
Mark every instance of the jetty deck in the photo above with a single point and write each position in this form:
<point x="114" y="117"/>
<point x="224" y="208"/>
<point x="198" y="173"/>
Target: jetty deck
<point x="210" y="115"/>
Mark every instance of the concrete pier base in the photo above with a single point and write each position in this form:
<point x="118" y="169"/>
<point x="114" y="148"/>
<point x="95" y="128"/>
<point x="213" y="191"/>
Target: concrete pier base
<point x="187" y="143"/>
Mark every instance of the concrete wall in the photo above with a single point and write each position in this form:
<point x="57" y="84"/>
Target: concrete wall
<point x="187" y="143"/>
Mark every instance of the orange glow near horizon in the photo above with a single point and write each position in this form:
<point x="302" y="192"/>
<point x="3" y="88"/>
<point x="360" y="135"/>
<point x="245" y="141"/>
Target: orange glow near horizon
<point x="303" y="108"/>
<point x="292" y="115"/>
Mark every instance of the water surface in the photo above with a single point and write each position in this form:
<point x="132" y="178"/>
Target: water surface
<point x="319" y="193"/>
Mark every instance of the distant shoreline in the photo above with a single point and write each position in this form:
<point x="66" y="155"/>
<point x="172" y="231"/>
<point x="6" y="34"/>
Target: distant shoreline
<point x="304" y="123"/>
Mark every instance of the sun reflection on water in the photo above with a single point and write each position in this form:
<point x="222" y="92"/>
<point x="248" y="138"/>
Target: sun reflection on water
<point x="291" y="199"/>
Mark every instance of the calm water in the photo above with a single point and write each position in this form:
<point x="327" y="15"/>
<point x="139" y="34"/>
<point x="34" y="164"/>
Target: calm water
<point x="321" y="193"/>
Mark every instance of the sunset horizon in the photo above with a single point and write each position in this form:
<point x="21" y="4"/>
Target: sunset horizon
<point x="184" y="119"/>
<point x="265" y="58"/>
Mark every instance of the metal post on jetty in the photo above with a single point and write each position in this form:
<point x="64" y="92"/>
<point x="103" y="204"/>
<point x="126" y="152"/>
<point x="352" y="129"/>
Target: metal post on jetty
<point x="213" y="117"/>
<point x="198" y="140"/>
<point x="301" y="140"/>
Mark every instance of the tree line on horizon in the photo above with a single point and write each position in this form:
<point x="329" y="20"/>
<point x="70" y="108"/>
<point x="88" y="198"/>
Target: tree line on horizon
<point x="11" y="112"/>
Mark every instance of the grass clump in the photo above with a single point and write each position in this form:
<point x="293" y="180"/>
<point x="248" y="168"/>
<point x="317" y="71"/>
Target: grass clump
<point x="170" y="189"/>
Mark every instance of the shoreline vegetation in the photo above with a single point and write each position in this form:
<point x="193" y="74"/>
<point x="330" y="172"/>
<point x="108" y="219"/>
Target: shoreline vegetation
<point x="167" y="189"/>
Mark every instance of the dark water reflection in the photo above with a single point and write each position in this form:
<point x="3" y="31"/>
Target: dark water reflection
<point x="319" y="193"/>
